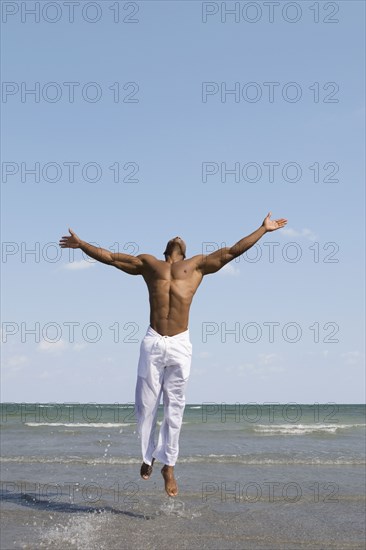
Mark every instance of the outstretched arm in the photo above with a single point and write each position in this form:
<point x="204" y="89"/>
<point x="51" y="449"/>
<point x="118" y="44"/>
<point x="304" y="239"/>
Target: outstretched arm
<point x="215" y="261"/>
<point x="127" y="263"/>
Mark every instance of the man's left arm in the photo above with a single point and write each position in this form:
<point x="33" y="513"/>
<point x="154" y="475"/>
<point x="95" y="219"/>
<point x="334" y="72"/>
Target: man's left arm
<point x="215" y="261"/>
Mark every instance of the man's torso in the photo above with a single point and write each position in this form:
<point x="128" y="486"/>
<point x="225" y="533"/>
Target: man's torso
<point x="171" y="289"/>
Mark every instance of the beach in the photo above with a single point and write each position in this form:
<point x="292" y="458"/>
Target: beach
<point x="250" y="476"/>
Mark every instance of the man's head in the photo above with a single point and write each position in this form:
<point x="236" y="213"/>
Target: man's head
<point x="177" y="246"/>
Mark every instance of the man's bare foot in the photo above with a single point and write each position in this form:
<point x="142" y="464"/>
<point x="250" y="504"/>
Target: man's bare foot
<point x="146" y="469"/>
<point x="171" y="486"/>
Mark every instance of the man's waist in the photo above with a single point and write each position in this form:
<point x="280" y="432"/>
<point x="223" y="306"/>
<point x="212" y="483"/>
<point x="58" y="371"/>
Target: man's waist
<point x="184" y="335"/>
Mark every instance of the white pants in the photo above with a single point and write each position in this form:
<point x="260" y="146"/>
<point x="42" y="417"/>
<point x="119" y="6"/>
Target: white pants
<point x="163" y="368"/>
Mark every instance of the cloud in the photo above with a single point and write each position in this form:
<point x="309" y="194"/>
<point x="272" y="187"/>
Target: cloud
<point x="351" y="357"/>
<point x="204" y="354"/>
<point x="305" y="233"/>
<point x="78" y="347"/>
<point x="52" y="346"/>
<point x="199" y="372"/>
<point x="108" y="360"/>
<point x="247" y="367"/>
<point x="267" y="358"/>
<point x="265" y="365"/>
<point x="60" y="345"/>
<point x="231" y="270"/>
<point x="44" y="375"/>
<point x="81" y="264"/>
<point x="16" y="362"/>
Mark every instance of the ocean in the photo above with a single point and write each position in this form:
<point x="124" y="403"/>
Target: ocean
<point x="250" y="476"/>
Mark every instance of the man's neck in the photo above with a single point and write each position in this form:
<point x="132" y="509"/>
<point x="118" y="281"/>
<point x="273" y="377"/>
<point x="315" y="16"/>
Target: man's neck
<point x="174" y="258"/>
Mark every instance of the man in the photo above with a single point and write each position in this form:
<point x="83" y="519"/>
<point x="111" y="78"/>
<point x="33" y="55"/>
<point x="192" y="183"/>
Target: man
<point x="165" y="352"/>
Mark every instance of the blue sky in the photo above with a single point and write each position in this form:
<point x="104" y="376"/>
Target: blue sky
<point x="309" y="293"/>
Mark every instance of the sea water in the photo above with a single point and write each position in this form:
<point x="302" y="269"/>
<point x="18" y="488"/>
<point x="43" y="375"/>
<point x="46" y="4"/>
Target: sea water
<point x="258" y="476"/>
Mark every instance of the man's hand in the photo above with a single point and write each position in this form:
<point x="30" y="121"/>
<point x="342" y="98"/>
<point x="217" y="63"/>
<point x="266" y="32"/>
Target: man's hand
<point x="70" y="242"/>
<point x="272" y="225"/>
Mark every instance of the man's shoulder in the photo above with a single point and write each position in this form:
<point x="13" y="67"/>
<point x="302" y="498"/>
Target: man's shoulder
<point x="195" y="259"/>
<point x="151" y="262"/>
<point x="195" y="262"/>
<point x="148" y="258"/>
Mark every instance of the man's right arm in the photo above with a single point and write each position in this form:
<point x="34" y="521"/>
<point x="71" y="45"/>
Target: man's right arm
<point x="133" y="265"/>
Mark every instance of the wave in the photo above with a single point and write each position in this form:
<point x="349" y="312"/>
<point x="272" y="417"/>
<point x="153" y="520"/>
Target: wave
<point x="258" y="429"/>
<point x="80" y="425"/>
<point x="197" y="459"/>
<point x="244" y="461"/>
<point x="302" y="429"/>
<point x="70" y="459"/>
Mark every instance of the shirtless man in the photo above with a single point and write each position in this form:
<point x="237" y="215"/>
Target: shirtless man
<point x="165" y="352"/>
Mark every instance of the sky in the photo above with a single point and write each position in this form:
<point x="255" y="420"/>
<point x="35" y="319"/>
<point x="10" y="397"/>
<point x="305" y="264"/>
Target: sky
<point x="134" y="122"/>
